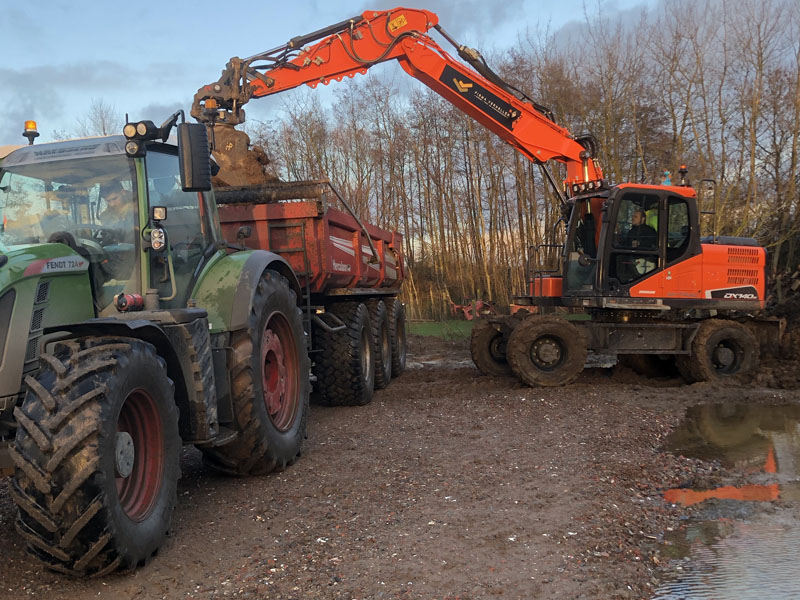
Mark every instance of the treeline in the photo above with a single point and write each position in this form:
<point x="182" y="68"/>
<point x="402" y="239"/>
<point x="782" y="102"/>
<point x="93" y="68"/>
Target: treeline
<point x="712" y="84"/>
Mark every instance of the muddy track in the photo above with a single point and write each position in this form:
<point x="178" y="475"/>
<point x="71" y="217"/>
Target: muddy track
<point x="449" y="485"/>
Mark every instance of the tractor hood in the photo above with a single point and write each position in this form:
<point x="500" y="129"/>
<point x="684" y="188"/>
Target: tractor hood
<point x="22" y="261"/>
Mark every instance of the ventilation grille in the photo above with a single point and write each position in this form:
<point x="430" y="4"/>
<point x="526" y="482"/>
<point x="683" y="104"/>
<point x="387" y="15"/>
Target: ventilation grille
<point x="743" y="276"/>
<point x="32" y="353"/>
<point x="36" y="320"/>
<point x="42" y="291"/>
<point x="743" y="256"/>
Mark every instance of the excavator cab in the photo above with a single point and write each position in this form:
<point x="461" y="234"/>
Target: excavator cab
<point x="618" y="240"/>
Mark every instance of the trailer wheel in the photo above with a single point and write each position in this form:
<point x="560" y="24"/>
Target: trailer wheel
<point x="721" y="350"/>
<point x="487" y="345"/>
<point x="269" y="385"/>
<point x="546" y="351"/>
<point x="345" y="363"/>
<point x="97" y="456"/>
<point x="382" y="340"/>
<point x="397" y="330"/>
<point x="650" y="365"/>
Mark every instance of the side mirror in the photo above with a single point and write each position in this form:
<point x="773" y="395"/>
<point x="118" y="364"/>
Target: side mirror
<point x="194" y="158"/>
<point x="244" y="232"/>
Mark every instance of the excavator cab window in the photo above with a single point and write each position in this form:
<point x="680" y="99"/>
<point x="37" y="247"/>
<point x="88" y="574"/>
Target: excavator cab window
<point x="635" y="244"/>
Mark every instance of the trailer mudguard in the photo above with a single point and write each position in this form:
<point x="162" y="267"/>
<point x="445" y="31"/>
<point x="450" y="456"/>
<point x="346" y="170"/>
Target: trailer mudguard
<point x="227" y="288"/>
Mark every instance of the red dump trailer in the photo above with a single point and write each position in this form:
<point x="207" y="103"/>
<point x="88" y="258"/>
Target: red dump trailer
<point x="350" y="274"/>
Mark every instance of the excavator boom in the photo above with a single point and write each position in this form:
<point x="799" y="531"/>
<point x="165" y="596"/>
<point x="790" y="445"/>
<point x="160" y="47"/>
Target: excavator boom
<point x="353" y="46"/>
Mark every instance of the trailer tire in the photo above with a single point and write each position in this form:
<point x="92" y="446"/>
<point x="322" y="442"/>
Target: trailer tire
<point x="397" y="330"/>
<point x="382" y="341"/>
<point x="97" y="456"/>
<point x="487" y="345"/>
<point x="344" y="366"/>
<point x="546" y="351"/>
<point x="269" y="385"/>
<point x="721" y="351"/>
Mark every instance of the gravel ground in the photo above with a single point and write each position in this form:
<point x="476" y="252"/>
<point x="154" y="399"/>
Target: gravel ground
<point x="449" y="485"/>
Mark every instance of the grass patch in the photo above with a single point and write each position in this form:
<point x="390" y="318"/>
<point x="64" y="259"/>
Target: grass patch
<point x="448" y="330"/>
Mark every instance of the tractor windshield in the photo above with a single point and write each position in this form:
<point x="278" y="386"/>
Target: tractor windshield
<point x="86" y="198"/>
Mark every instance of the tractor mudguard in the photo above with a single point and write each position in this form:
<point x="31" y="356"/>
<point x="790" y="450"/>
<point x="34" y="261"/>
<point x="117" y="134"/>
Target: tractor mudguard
<point x="227" y="288"/>
<point x="181" y="338"/>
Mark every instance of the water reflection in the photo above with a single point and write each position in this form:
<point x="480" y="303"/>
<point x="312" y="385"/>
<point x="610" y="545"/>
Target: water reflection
<point x="729" y="558"/>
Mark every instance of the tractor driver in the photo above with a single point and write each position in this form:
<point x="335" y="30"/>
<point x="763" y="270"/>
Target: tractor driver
<point x="120" y="212"/>
<point x="641" y="235"/>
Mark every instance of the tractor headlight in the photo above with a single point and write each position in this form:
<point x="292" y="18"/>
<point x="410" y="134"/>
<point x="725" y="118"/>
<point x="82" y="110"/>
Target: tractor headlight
<point x="158" y="239"/>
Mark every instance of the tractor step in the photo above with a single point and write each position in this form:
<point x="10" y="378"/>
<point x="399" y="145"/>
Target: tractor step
<point x="224" y="436"/>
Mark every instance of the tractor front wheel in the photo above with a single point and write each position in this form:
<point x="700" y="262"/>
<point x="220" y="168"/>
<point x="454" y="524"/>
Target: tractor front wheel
<point x="97" y="456"/>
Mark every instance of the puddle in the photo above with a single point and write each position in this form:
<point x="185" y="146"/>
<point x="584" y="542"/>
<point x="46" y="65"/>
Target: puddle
<point x="739" y="550"/>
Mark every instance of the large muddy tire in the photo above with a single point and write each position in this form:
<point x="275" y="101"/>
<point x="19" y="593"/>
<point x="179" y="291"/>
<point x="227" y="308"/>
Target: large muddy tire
<point x="650" y="365"/>
<point x="721" y="351"/>
<point x="382" y="341"/>
<point x="487" y="345"/>
<point x="546" y="351"/>
<point x="345" y="362"/>
<point x="97" y="456"/>
<point x="397" y="330"/>
<point x="269" y="385"/>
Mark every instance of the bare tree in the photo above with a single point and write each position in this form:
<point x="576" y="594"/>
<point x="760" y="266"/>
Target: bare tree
<point x="101" y="119"/>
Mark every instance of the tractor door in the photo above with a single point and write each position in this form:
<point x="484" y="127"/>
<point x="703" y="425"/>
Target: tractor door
<point x="189" y="227"/>
<point x="649" y="231"/>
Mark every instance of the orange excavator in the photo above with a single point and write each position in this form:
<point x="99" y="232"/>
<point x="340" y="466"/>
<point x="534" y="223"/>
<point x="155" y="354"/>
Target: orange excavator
<point x="649" y="287"/>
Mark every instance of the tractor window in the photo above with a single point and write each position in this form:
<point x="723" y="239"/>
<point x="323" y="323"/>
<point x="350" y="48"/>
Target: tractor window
<point x="580" y="272"/>
<point x="67" y="202"/>
<point x="187" y="230"/>
<point x="678" y="228"/>
<point x="635" y="237"/>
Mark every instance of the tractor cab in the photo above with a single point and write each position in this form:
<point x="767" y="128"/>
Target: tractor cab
<point x="92" y="197"/>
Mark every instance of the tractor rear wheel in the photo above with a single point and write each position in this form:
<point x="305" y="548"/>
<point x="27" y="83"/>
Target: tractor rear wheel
<point x="97" y="456"/>
<point x="487" y="346"/>
<point x="721" y="350"/>
<point x="269" y="385"/>
<point x="546" y="351"/>
<point x="397" y="330"/>
<point x="382" y="341"/>
<point x="345" y="363"/>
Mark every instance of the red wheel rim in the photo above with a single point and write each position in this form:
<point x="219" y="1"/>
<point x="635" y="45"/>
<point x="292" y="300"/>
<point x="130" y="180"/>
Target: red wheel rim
<point x="140" y="418"/>
<point x="279" y="372"/>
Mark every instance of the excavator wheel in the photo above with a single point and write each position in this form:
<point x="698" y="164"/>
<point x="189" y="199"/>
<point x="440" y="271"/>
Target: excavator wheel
<point x="97" y="456"/>
<point x="487" y="345"/>
<point x="546" y="351"/>
<point x="721" y="350"/>
<point x="269" y="385"/>
<point x="382" y="339"/>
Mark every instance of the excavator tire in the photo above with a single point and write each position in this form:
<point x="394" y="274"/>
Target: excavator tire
<point x="487" y="346"/>
<point x="345" y="363"/>
<point x="546" y="351"/>
<point x="721" y="351"/>
<point x="382" y="340"/>
<point x="96" y="456"/>
<point x="650" y="365"/>
<point x="397" y="330"/>
<point x="269" y="385"/>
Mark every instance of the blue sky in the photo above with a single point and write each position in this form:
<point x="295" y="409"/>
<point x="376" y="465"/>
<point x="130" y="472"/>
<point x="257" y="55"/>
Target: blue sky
<point x="148" y="59"/>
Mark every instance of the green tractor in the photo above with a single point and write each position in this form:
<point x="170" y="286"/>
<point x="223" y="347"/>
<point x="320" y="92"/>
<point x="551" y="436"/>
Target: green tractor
<point x="129" y="327"/>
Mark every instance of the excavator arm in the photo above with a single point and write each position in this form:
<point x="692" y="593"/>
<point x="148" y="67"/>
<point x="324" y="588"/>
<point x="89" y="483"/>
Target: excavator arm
<point x="353" y="46"/>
